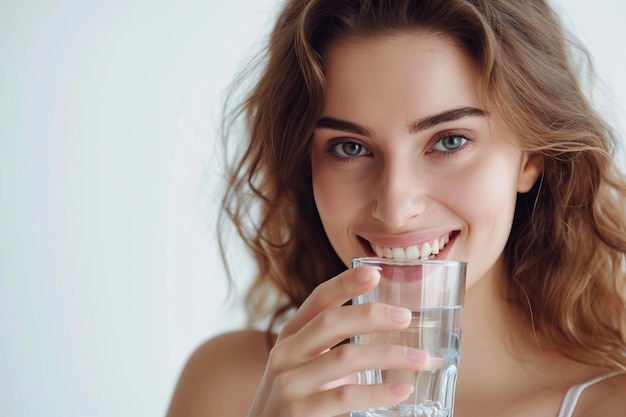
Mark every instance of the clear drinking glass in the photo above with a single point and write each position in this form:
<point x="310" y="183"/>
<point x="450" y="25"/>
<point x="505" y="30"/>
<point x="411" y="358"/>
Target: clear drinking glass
<point x="434" y="291"/>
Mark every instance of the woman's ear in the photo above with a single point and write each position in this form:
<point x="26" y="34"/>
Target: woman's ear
<point x="530" y="169"/>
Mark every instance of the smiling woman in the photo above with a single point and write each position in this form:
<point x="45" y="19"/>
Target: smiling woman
<point x="107" y="120"/>
<point x="445" y="129"/>
<point x="409" y="185"/>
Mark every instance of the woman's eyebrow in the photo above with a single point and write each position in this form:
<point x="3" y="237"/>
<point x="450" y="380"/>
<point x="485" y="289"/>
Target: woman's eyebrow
<point x="341" y="125"/>
<point x="423" y="124"/>
<point x="445" y="116"/>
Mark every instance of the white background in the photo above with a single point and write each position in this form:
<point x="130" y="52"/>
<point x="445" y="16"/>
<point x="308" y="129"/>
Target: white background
<point x="109" y="270"/>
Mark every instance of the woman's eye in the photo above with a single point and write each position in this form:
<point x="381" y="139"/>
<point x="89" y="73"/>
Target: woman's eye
<point x="449" y="143"/>
<point x="350" y="150"/>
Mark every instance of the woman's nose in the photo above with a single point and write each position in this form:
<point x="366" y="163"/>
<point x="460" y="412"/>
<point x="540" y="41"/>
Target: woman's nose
<point x="401" y="195"/>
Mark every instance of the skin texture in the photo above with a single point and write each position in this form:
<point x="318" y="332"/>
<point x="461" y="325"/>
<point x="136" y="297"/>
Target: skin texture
<point x="391" y="184"/>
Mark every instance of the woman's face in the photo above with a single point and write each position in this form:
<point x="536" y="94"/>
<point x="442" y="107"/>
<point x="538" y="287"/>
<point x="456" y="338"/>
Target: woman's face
<point x="406" y="159"/>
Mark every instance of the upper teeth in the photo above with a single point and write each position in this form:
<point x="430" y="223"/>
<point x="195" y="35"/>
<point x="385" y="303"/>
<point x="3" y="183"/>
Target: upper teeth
<point x="426" y="250"/>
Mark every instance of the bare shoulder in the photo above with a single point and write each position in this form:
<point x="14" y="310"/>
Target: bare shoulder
<point x="606" y="398"/>
<point x="221" y="376"/>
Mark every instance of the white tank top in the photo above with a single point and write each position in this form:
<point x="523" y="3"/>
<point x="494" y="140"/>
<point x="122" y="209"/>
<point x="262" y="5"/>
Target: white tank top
<point x="573" y="394"/>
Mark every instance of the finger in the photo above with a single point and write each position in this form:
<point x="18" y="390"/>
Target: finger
<point x="347" y="398"/>
<point x="348" y="359"/>
<point x="330" y="327"/>
<point x="332" y="293"/>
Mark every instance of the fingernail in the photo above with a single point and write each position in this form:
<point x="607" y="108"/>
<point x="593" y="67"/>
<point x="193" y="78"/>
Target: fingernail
<point x="399" y="315"/>
<point x="401" y="390"/>
<point x="415" y="355"/>
<point x="365" y="274"/>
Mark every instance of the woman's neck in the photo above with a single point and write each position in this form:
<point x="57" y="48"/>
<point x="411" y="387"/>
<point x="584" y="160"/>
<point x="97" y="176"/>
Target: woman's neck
<point x="506" y="369"/>
<point x="499" y="346"/>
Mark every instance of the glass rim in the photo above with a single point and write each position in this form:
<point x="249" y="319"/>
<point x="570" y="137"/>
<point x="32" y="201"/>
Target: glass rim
<point x="375" y="260"/>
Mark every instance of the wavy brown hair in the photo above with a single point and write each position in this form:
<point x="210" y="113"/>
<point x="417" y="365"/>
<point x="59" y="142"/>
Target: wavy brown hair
<point x="566" y="255"/>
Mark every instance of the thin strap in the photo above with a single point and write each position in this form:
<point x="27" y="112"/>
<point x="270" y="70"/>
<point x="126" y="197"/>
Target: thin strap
<point x="573" y="394"/>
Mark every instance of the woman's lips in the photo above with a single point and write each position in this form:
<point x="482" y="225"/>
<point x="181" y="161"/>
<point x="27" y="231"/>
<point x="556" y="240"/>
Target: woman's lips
<point x="431" y="249"/>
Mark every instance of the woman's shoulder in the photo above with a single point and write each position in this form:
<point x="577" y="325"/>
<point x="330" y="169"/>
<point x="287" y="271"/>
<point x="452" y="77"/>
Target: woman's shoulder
<point x="221" y="375"/>
<point x="245" y="349"/>
<point x="248" y="340"/>
<point x="605" y="397"/>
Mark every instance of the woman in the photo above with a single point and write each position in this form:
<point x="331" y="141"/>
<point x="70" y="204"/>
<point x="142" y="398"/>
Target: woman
<point x="453" y="129"/>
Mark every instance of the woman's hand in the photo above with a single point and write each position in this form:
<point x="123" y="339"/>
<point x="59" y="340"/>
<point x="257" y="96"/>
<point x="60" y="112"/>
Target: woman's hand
<point x="305" y="377"/>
